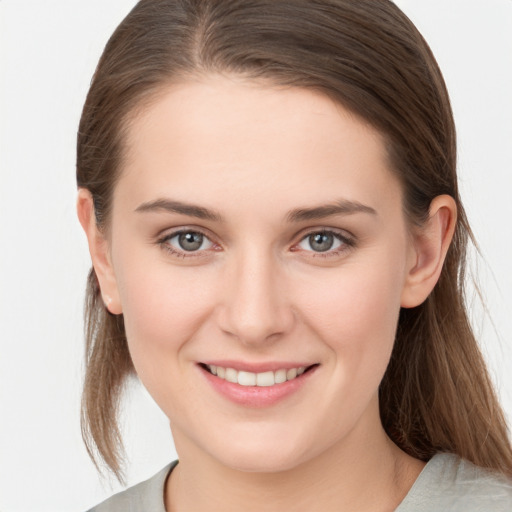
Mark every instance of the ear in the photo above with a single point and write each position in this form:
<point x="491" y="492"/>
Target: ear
<point x="429" y="247"/>
<point x="100" y="252"/>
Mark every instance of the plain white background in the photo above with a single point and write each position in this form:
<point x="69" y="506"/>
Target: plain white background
<point x="48" y="52"/>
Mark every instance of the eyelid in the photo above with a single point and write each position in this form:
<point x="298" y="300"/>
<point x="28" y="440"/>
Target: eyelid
<point x="348" y="241"/>
<point x="339" y="232"/>
<point x="166" y="235"/>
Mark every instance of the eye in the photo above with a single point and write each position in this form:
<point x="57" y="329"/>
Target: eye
<point x="187" y="242"/>
<point x="325" y="242"/>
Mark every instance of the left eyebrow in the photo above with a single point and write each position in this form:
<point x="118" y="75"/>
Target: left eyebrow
<point x="341" y="207"/>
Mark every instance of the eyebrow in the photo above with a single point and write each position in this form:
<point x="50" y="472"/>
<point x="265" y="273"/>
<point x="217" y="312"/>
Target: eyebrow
<point x="191" y="210"/>
<point x="340" y="207"/>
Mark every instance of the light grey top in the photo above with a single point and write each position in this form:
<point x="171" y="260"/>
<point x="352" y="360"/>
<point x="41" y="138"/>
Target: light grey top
<point x="451" y="484"/>
<point x="446" y="484"/>
<point x="147" y="496"/>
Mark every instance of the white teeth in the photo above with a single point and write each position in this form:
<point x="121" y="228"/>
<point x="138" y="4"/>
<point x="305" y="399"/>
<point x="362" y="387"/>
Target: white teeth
<point x="231" y="375"/>
<point x="291" y="374"/>
<point x="246" y="379"/>
<point x="263" y="379"/>
<point x="280" y="376"/>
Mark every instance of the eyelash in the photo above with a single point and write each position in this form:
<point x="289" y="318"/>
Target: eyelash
<point x="348" y="243"/>
<point x="165" y="245"/>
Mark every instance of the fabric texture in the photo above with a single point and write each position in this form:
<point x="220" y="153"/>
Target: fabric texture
<point x="446" y="484"/>
<point x="451" y="484"/>
<point x="147" y="496"/>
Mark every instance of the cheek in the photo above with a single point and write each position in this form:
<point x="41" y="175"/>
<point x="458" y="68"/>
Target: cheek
<point x="163" y="306"/>
<point x="355" y="312"/>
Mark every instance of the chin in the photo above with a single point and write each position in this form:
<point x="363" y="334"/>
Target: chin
<point x="261" y="462"/>
<point x="260" y="454"/>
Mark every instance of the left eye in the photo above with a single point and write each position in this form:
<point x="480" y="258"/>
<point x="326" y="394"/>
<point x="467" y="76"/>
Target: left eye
<point x="322" y="241"/>
<point x="189" y="241"/>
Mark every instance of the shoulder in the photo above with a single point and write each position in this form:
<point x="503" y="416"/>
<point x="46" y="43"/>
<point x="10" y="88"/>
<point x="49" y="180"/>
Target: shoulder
<point x="147" y="495"/>
<point x="450" y="483"/>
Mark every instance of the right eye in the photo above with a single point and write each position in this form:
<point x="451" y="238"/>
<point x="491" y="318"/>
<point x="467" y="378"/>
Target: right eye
<point x="184" y="242"/>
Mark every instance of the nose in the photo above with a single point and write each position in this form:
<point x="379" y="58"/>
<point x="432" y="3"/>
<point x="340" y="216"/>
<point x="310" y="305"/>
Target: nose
<point x="254" y="304"/>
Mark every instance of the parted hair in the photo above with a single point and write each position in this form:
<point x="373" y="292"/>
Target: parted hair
<point x="436" y="395"/>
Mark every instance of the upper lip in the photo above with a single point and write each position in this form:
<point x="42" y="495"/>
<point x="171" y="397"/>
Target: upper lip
<point x="270" y="366"/>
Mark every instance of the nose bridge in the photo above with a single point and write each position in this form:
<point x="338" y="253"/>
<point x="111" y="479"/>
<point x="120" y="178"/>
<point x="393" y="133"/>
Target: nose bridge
<point x="256" y="307"/>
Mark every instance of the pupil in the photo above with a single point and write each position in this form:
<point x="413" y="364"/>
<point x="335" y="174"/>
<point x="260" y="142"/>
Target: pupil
<point x="190" y="241"/>
<point x="321" y="242"/>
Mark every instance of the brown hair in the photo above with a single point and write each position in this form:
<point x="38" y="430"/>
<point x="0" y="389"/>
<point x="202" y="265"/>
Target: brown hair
<point x="436" y="394"/>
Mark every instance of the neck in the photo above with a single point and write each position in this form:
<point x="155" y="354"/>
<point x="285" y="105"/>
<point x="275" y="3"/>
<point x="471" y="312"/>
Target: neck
<point x="365" y="471"/>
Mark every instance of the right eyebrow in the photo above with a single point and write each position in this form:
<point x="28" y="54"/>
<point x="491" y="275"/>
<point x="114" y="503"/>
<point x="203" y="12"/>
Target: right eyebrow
<point x="171" y="206"/>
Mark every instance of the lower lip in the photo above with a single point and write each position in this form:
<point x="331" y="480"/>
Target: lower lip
<point x="257" y="396"/>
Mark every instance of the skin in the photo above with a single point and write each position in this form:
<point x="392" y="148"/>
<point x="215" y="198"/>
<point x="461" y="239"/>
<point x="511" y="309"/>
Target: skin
<point x="257" y="291"/>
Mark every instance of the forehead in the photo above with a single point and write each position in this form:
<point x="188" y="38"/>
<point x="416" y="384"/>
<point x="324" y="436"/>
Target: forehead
<point x="225" y="135"/>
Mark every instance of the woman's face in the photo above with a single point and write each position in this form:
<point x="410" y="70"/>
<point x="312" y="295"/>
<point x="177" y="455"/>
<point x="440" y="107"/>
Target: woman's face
<point x="259" y="230"/>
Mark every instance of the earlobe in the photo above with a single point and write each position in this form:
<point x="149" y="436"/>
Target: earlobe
<point x="430" y="246"/>
<point x="99" y="251"/>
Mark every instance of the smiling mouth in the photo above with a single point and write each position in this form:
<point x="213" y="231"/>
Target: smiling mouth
<point x="262" y="379"/>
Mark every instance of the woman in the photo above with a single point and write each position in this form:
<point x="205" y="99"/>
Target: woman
<point x="269" y="194"/>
